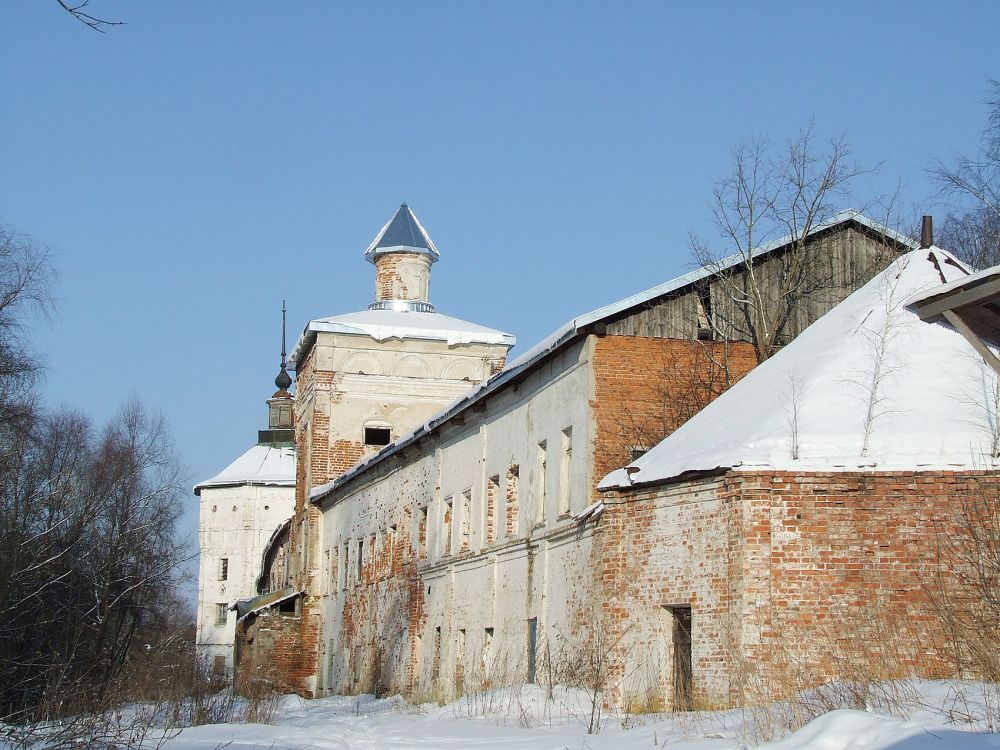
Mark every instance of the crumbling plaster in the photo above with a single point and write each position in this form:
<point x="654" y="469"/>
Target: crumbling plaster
<point x="465" y="580"/>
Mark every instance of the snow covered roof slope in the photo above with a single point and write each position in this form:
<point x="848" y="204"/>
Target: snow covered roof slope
<point x="403" y="233"/>
<point x="262" y="464"/>
<point x="382" y="325"/>
<point x="867" y="386"/>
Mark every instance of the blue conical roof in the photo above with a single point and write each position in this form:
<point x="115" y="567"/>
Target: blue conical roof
<point x="402" y="234"/>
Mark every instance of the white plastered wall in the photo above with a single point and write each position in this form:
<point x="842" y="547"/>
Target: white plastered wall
<point x="235" y="523"/>
<point x="541" y="571"/>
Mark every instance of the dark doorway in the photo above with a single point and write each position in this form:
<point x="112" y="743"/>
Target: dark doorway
<point x="682" y="676"/>
<point x="532" y="647"/>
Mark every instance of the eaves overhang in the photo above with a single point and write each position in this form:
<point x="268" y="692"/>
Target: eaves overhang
<point x="971" y="306"/>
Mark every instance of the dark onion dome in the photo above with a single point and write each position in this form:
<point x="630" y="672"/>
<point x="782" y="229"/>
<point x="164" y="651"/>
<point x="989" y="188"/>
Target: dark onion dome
<point x="284" y="380"/>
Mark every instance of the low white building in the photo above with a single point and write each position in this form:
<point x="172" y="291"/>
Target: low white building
<point x="241" y="507"/>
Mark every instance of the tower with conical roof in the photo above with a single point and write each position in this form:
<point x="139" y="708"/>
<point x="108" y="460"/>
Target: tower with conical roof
<point x="363" y="379"/>
<point x="240" y="508"/>
<point x="402" y="253"/>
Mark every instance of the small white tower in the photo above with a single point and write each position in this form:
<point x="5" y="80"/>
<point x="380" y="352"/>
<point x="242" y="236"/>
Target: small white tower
<point x="240" y="509"/>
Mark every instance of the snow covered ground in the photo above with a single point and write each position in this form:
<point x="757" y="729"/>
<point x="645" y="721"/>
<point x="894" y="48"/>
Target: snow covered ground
<point x="929" y="716"/>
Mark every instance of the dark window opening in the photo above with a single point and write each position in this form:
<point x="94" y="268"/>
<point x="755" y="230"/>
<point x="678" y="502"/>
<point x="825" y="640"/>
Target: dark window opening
<point x="638" y="451"/>
<point x="436" y="662"/>
<point x="288" y="607"/>
<point x="377" y="436"/>
<point x="705" y="334"/>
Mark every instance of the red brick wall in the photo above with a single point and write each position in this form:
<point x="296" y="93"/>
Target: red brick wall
<point x="386" y="272"/>
<point x="645" y="388"/>
<point x="382" y="612"/>
<point x="793" y="579"/>
<point x="270" y="649"/>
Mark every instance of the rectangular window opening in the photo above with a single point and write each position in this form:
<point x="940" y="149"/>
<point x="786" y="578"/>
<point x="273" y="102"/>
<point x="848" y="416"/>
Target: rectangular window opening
<point x="485" y="658"/>
<point x="466" y="519"/>
<point x="565" y="473"/>
<point x="513" y="500"/>
<point x="221" y="613"/>
<point x="446" y="526"/>
<point x="541" y="469"/>
<point x="422" y="531"/>
<point x="436" y="663"/>
<point x="460" y="661"/>
<point x="490" y="516"/>
<point x="378" y="436"/>
<point x="224" y="569"/>
<point x="328" y="570"/>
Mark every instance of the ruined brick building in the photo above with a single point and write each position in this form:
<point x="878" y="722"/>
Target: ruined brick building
<point x="448" y="527"/>
<point x="796" y="529"/>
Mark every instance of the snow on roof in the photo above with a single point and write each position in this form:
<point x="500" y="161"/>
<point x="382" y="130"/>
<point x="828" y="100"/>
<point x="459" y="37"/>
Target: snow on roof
<point x="561" y="336"/>
<point x="403" y="233"/>
<point x="262" y="464"/>
<point x="867" y="386"/>
<point x="678" y="283"/>
<point x="382" y="325"/>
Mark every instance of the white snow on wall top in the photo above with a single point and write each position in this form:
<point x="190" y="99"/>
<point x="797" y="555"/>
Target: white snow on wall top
<point x="382" y="325"/>
<point x="869" y="386"/>
<point x="262" y="464"/>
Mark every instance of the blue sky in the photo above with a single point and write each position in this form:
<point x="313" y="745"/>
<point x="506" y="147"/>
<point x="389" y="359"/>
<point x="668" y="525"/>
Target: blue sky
<point x="194" y="167"/>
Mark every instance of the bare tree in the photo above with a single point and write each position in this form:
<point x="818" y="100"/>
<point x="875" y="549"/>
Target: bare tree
<point x="88" y="552"/>
<point x="773" y="192"/>
<point x="25" y="290"/>
<point x="972" y="228"/>
<point x="88" y="555"/>
<point x="79" y="12"/>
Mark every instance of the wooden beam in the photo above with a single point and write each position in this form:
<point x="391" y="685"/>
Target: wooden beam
<point x="977" y="343"/>
<point x="955" y="299"/>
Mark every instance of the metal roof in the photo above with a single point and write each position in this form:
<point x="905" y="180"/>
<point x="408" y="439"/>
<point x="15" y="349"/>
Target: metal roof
<point x="245" y="607"/>
<point x="403" y="233"/>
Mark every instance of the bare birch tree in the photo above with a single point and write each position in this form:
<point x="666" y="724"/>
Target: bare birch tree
<point x="773" y="192"/>
<point x="972" y="228"/>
